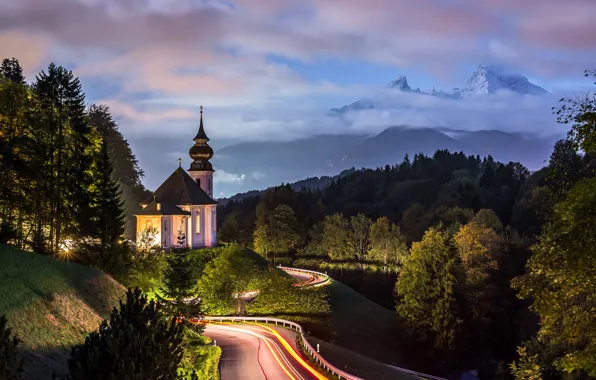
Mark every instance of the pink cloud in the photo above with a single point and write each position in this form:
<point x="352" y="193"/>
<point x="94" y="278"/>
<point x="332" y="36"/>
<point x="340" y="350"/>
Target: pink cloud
<point x="31" y="50"/>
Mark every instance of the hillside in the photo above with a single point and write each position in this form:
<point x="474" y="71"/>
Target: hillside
<point x="52" y="305"/>
<point x="363" y="326"/>
<point x="358" y="364"/>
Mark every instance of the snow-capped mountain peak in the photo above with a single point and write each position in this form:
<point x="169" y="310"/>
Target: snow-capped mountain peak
<point x="487" y="80"/>
<point x="401" y="83"/>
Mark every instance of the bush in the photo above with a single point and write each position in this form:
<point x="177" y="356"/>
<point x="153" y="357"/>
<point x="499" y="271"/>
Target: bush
<point x="11" y="365"/>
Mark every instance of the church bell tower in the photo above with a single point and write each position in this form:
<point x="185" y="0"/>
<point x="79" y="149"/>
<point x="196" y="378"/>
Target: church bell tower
<point x="200" y="168"/>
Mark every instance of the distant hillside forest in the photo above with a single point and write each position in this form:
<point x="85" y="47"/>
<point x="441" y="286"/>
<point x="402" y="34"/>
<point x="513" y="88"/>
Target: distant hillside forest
<point x="414" y="194"/>
<point x="487" y="265"/>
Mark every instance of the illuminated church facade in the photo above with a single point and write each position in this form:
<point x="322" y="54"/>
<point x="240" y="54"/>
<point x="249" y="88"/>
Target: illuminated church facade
<point x="181" y="213"/>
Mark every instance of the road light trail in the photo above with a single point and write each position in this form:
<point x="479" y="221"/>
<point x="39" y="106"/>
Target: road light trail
<point x="279" y="360"/>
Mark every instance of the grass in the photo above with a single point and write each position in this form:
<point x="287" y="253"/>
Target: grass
<point x="52" y="305"/>
<point x="363" y="326"/>
<point x="357" y="364"/>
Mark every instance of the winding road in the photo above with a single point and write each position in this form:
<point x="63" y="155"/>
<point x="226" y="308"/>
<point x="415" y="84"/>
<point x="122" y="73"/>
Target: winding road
<point x="253" y="351"/>
<point x="257" y="351"/>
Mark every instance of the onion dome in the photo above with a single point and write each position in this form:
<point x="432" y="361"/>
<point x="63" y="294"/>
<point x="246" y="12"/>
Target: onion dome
<point x="201" y="152"/>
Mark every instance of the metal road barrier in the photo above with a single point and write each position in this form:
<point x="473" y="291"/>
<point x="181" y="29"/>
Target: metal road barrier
<point x="323" y="279"/>
<point x="295" y="326"/>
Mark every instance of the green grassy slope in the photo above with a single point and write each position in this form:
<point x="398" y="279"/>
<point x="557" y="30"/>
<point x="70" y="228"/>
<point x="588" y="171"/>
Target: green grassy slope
<point x="52" y="305"/>
<point x="363" y="326"/>
<point x="357" y="364"/>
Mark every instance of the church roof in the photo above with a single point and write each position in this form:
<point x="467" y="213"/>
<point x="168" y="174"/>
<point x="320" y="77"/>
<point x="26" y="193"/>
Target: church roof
<point x="180" y="189"/>
<point x="164" y="209"/>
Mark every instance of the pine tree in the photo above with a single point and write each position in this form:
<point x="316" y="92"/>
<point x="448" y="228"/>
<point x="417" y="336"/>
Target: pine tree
<point x="11" y="365"/>
<point x="180" y="285"/>
<point x="109" y="211"/>
<point x="67" y="150"/>
<point x="138" y="342"/>
<point x="11" y="69"/>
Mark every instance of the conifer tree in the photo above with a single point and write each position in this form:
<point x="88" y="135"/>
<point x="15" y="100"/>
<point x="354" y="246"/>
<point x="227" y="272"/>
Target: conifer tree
<point x="11" y="69"/>
<point x="110" y="211"/>
<point x="179" y="285"/>
<point x="62" y="115"/>
<point x="138" y="342"/>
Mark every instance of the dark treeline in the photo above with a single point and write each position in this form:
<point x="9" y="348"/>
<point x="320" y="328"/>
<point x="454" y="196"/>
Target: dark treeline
<point x="413" y="194"/>
<point x="488" y="266"/>
<point x="63" y="164"/>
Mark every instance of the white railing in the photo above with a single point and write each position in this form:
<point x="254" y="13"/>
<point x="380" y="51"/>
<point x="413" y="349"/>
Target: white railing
<point x="313" y="353"/>
<point x="322" y="278"/>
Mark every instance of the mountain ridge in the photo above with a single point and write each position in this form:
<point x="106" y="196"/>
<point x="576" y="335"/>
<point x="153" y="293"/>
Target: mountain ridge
<point x="326" y="155"/>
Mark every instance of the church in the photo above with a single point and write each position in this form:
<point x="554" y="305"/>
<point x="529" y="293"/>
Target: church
<point x="181" y="213"/>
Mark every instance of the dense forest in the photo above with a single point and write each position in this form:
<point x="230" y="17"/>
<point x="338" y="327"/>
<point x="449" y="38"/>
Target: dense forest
<point x="70" y="181"/>
<point x="489" y="266"/>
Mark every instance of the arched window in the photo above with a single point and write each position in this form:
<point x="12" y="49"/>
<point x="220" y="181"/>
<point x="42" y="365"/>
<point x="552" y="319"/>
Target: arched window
<point x="165" y="225"/>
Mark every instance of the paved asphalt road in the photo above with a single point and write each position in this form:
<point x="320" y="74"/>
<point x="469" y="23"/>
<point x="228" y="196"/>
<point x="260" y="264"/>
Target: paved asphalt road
<point x="259" y="352"/>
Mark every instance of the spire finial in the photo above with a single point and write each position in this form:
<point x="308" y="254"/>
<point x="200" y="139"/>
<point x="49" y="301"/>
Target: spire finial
<point x="179" y="162"/>
<point x="201" y="111"/>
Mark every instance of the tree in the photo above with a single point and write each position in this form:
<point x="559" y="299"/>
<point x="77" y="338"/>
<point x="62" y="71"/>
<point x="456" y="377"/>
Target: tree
<point x="224" y="280"/>
<point x="359" y="236"/>
<point x="11" y="364"/>
<point x="487" y="218"/>
<point x="580" y="113"/>
<point x="561" y="275"/>
<point x="282" y="230"/>
<point x="230" y="230"/>
<point x="526" y="368"/>
<point x="335" y="237"/>
<point x="147" y="241"/>
<point x="180" y="287"/>
<point x="11" y="69"/>
<point x="109" y="210"/>
<point x="138" y="342"/>
<point x="426" y="290"/>
<point x="561" y="280"/>
<point x="68" y="151"/>
<point x="479" y="248"/>
<point x="387" y="245"/>
<point x="178" y="278"/>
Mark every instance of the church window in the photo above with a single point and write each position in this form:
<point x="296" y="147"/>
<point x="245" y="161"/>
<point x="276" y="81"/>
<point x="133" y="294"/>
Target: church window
<point x="197" y="224"/>
<point x="165" y="225"/>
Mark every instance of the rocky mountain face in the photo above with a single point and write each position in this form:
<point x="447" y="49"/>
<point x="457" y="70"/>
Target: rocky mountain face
<point x="486" y="80"/>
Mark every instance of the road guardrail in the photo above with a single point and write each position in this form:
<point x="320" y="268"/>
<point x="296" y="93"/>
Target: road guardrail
<point x="295" y="326"/>
<point x="322" y="278"/>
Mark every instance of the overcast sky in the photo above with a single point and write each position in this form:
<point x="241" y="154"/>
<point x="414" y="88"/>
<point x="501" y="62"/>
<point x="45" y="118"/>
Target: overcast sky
<point x="269" y="69"/>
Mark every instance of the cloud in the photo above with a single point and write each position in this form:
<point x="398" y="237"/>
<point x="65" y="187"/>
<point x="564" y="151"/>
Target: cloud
<point x="155" y="61"/>
<point x="221" y="176"/>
